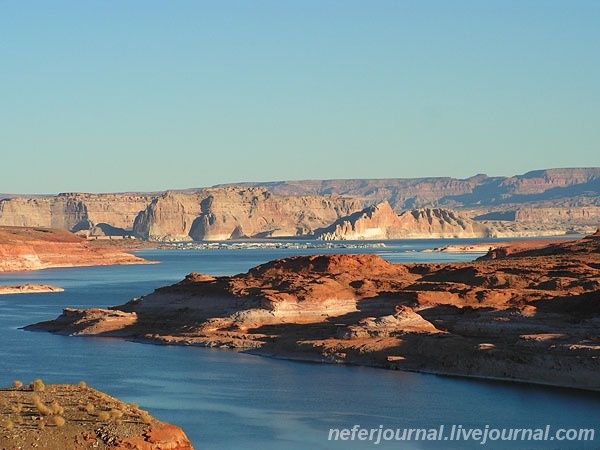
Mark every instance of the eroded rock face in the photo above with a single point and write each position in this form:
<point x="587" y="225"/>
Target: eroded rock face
<point x="531" y="314"/>
<point x="381" y="222"/>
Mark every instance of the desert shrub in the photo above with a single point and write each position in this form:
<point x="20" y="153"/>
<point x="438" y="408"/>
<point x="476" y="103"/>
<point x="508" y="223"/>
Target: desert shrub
<point x="145" y="417"/>
<point x="8" y="425"/>
<point x="115" y="414"/>
<point x="56" y="408"/>
<point x="41" y="406"/>
<point x="38" y="385"/>
<point x="82" y="384"/>
<point x="104" y="416"/>
<point x="59" y="421"/>
<point x="17" y="384"/>
<point x="90" y="408"/>
<point x="17" y="409"/>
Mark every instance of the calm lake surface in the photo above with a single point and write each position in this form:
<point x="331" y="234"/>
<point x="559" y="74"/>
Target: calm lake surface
<point x="227" y="400"/>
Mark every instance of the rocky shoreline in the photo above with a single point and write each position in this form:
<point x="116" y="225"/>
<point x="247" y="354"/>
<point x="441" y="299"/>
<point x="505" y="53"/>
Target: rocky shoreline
<point x="527" y="313"/>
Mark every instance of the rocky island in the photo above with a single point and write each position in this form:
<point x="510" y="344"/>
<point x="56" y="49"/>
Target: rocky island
<point x="529" y="313"/>
<point x="29" y="289"/>
<point x="63" y="416"/>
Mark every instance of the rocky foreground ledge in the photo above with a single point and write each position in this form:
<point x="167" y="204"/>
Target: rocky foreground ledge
<point x="64" y="417"/>
<point x="524" y="314"/>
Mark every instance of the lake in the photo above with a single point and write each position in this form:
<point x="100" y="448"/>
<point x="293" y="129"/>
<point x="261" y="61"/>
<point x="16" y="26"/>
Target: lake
<point x="228" y="400"/>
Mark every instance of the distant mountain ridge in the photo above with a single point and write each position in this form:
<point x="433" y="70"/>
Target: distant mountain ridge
<point x="580" y="186"/>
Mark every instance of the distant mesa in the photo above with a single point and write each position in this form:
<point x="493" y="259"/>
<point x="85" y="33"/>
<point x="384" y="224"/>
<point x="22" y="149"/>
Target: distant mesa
<point x="539" y="203"/>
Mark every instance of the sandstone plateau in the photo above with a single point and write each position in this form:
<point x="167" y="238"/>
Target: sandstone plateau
<point x="525" y="313"/>
<point x="538" y="203"/>
<point x="23" y="248"/>
<point x="67" y="417"/>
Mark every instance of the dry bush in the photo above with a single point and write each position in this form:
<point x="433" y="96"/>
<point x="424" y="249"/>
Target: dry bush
<point x="90" y="408"/>
<point x="104" y="416"/>
<point x="56" y="408"/>
<point x="17" y="409"/>
<point x="17" y="384"/>
<point x="59" y="421"/>
<point x="41" y="406"/>
<point x="38" y="385"/>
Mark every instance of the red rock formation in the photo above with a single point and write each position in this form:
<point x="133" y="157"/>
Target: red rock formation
<point x="530" y="314"/>
<point x="24" y="248"/>
<point x="167" y="437"/>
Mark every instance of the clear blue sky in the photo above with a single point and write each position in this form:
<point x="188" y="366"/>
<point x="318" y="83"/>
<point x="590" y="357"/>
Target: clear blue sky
<point x="109" y="96"/>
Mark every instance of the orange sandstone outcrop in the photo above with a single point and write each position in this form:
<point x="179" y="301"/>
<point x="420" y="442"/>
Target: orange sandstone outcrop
<point x="23" y="248"/>
<point x="532" y="315"/>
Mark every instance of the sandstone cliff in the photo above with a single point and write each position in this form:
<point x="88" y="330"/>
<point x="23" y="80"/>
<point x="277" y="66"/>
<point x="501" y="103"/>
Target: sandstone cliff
<point x="23" y="248"/>
<point x="381" y="222"/>
<point x="532" y="315"/>
<point x="73" y="212"/>
<point x="231" y="213"/>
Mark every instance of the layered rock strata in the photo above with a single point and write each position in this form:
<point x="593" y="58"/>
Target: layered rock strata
<point x="544" y="202"/>
<point x="529" y="315"/>
<point x="233" y="213"/>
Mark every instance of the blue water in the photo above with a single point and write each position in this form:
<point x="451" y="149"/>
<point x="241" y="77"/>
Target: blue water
<point x="226" y="400"/>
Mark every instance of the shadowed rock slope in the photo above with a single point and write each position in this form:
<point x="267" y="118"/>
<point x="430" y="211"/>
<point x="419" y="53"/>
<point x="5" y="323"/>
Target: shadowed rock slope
<point x="532" y="315"/>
